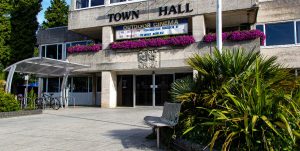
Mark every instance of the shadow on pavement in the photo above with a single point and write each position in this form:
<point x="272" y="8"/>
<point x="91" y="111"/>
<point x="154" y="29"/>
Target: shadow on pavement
<point x="135" y="139"/>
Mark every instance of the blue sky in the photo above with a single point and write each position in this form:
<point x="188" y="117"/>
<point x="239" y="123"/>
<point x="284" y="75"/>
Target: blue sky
<point x="46" y="4"/>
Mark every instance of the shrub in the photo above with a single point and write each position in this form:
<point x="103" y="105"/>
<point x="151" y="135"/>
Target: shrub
<point x="31" y="101"/>
<point x="239" y="101"/>
<point x="8" y="102"/>
<point x="2" y="85"/>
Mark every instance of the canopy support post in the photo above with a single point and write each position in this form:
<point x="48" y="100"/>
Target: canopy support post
<point x="10" y="78"/>
<point x="63" y="90"/>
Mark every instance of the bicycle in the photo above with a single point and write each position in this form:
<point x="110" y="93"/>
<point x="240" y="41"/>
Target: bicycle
<point x="46" y="100"/>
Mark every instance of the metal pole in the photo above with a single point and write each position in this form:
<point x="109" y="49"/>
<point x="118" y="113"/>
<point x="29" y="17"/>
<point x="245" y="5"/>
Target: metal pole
<point x="219" y="25"/>
<point x="153" y="89"/>
<point x="26" y="90"/>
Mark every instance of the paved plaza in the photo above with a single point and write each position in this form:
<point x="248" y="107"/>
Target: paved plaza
<point x="79" y="129"/>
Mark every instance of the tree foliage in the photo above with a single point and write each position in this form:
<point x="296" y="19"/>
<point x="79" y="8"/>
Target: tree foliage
<point x="56" y="15"/>
<point x="5" y="31"/>
<point x="24" y="25"/>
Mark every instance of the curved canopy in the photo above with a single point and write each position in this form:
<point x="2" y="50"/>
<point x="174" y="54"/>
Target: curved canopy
<point x="45" y="66"/>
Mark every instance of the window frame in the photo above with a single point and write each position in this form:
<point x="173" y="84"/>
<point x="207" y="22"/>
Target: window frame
<point x="47" y="85"/>
<point x="285" y="45"/>
<point x="63" y="57"/>
<point x="105" y="5"/>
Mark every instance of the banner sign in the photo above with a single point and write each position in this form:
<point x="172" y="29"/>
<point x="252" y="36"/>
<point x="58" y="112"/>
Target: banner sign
<point x="152" y="29"/>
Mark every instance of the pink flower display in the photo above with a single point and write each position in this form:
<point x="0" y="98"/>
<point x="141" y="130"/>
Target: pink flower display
<point x="237" y="36"/>
<point x="153" y="42"/>
<point x="85" y="48"/>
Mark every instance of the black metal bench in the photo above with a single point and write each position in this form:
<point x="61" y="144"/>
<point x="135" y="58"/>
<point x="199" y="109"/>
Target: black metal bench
<point x="169" y="118"/>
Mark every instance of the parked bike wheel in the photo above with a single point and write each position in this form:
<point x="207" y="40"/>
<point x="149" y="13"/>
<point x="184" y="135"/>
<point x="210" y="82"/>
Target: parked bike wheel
<point x="55" y="104"/>
<point x="39" y="102"/>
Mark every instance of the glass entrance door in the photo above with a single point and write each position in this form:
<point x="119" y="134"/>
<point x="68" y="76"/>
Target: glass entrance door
<point x="163" y="86"/>
<point x="144" y="90"/>
<point x="125" y="91"/>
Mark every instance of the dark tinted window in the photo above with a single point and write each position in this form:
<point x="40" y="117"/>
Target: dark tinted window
<point x="59" y="52"/>
<point x="44" y="84"/>
<point x="117" y="1"/>
<point x="43" y="51"/>
<point x="51" y="51"/>
<point x="80" y="84"/>
<point x="99" y="84"/>
<point x="82" y="3"/>
<point x="280" y="33"/>
<point x="260" y="27"/>
<point x="97" y="2"/>
<point x="53" y="85"/>
<point x="298" y="31"/>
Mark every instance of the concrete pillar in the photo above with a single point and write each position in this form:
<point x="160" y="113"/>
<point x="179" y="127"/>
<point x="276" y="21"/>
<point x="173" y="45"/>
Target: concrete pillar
<point x="198" y="26"/>
<point x="107" y="37"/>
<point x="109" y="89"/>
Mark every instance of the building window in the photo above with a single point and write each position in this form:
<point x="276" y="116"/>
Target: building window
<point x="69" y="44"/>
<point x="53" y="85"/>
<point x="97" y="2"/>
<point x="280" y="34"/>
<point x="298" y="31"/>
<point x="82" y="4"/>
<point x="80" y="84"/>
<point x="99" y="84"/>
<point x="52" y="51"/>
<point x="117" y="1"/>
<point x="283" y="33"/>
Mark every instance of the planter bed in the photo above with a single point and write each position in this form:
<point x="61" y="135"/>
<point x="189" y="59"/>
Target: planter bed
<point x="19" y="113"/>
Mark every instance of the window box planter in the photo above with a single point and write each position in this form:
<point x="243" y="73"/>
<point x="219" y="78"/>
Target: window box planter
<point x="237" y="36"/>
<point x="178" y="41"/>
<point x="85" y="48"/>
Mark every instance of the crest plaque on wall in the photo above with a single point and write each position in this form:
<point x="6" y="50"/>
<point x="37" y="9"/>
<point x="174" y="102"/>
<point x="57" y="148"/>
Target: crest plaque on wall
<point x="148" y="59"/>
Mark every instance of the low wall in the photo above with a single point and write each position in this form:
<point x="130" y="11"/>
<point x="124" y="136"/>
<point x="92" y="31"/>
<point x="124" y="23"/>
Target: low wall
<point x="20" y="113"/>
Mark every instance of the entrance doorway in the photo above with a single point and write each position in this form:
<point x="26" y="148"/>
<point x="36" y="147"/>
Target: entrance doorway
<point x="163" y="86"/>
<point x="146" y="90"/>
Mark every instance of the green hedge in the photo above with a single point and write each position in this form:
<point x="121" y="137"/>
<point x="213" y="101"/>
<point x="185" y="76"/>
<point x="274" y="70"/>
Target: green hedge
<point x="8" y="102"/>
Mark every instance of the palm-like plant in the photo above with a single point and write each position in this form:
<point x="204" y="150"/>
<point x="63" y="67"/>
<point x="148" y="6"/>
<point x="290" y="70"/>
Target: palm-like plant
<point x="246" y="102"/>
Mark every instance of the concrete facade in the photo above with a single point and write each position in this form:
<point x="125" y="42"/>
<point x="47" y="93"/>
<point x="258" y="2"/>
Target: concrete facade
<point x="94" y="24"/>
<point x="274" y="11"/>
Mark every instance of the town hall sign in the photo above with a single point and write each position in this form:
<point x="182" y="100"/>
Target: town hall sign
<point x="162" y="11"/>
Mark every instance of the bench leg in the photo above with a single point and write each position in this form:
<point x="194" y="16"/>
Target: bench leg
<point x="157" y="137"/>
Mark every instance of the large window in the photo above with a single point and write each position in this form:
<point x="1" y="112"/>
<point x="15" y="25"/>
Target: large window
<point x="51" y="85"/>
<point x="82" y="84"/>
<point x="76" y="84"/>
<point x="117" y="1"/>
<point x="298" y="31"/>
<point x="88" y="3"/>
<point x="82" y="4"/>
<point x="283" y="33"/>
<point x="52" y="51"/>
<point x="93" y="3"/>
<point x="97" y="2"/>
<point x="69" y="44"/>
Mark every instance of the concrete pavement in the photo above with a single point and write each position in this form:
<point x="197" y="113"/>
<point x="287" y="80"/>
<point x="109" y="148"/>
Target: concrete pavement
<point x="83" y="128"/>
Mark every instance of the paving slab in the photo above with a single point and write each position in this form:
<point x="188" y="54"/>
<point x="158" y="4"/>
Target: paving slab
<point x="80" y="128"/>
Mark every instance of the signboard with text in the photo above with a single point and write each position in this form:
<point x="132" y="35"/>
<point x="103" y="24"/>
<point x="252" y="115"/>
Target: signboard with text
<point x="152" y="29"/>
